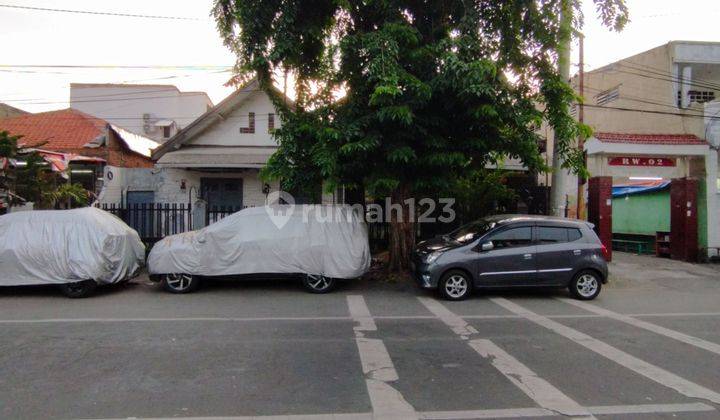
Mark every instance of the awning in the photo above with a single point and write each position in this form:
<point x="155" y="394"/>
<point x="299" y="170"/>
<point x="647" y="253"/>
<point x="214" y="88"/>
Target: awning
<point x="639" y="188"/>
<point x="59" y="162"/>
<point x="221" y="157"/>
<point x="135" y="142"/>
<point x="164" y="123"/>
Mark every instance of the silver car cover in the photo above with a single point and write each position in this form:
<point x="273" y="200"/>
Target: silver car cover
<point x="65" y="246"/>
<point x="314" y="239"/>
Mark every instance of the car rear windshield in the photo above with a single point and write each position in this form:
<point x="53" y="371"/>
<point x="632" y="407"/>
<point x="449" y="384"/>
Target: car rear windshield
<point x="471" y="231"/>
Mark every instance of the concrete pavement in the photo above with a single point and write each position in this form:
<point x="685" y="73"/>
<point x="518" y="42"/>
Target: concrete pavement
<point x="646" y="348"/>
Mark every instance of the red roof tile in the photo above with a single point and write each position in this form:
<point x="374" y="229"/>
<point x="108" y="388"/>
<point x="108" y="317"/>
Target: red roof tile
<point x="60" y="130"/>
<point x="649" y="138"/>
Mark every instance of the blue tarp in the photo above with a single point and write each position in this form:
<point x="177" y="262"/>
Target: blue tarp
<point x="623" y="190"/>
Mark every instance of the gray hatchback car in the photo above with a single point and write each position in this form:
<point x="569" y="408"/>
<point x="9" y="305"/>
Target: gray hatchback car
<point x="513" y="251"/>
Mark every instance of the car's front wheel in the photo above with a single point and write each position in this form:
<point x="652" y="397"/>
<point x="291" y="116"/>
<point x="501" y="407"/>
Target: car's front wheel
<point x="586" y="285"/>
<point x="179" y="282"/>
<point x="315" y="283"/>
<point x="455" y="285"/>
<point x="78" y="289"/>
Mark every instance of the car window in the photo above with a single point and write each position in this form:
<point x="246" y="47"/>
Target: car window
<point x="552" y="235"/>
<point x="574" y="235"/>
<point x="513" y="237"/>
<point x="471" y="231"/>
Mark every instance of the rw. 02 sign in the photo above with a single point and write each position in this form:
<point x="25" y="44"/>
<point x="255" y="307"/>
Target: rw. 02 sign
<point x="640" y="161"/>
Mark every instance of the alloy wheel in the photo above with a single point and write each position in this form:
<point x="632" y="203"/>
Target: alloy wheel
<point x="586" y="285"/>
<point x="179" y="282"/>
<point x="456" y="286"/>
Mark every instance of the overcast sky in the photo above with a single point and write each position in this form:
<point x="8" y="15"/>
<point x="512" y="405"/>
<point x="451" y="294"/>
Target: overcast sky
<point x="52" y="38"/>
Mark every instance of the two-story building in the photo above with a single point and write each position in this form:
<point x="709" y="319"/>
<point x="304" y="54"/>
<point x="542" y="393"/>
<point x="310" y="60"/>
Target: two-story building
<point x="154" y="111"/>
<point x="656" y="117"/>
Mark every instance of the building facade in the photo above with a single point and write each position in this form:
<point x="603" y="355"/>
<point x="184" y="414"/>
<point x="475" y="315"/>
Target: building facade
<point x="154" y="111"/>
<point x="655" y="117"/>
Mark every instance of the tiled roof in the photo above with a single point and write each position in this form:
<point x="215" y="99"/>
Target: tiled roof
<point x="649" y="138"/>
<point x="60" y="130"/>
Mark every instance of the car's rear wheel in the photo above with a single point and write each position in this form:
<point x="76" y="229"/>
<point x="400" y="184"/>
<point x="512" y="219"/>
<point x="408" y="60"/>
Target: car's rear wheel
<point x="455" y="285"/>
<point x="80" y="289"/>
<point x="179" y="282"/>
<point x="315" y="283"/>
<point x="586" y="285"/>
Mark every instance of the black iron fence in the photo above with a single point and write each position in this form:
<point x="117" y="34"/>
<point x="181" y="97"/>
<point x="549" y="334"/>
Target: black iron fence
<point x="154" y="221"/>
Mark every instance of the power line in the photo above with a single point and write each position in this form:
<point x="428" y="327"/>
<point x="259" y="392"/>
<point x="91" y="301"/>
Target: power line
<point x="647" y="111"/>
<point x="89" y="12"/>
<point x="110" y="66"/>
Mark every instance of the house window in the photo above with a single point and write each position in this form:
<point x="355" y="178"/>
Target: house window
<point x="167" y="131"/>
<point x="271" y="122"/>
<point x="608" y="96"/>
<point x="250" y="129"/>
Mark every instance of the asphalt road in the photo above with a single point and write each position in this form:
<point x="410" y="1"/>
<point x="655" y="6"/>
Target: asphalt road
<point x="648" y="347"/>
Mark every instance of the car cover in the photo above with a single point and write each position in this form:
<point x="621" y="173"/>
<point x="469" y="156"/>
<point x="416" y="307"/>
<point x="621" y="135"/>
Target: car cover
<point x="66" y="246"/>
<point x="313" y="239"/>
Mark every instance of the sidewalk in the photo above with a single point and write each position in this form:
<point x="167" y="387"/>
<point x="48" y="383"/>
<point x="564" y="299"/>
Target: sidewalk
<point x="630" y="270"/>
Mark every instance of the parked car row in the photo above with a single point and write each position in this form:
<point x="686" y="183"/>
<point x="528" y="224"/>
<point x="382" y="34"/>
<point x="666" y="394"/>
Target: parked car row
<point x="83" y="248"/>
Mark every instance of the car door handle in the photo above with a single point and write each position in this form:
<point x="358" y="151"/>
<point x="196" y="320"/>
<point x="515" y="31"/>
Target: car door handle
<point x="577" y="252"/>
<point x="528" y="256"/>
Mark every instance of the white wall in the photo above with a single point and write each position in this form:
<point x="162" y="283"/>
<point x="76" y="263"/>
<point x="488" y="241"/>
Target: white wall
<point x="124" y="179"/>
<point x="169" y="180"/>
<point x="124" y="105"/>
<point x="227" y="132"/>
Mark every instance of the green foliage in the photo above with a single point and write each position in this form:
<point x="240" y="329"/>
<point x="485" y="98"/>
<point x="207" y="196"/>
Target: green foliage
<point x="66" y="196"/>
<point x="481" y="193"/>
<point x="434" y="90"/>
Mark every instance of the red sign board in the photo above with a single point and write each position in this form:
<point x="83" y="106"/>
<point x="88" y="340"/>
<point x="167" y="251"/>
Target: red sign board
<point x="641" y="161"/>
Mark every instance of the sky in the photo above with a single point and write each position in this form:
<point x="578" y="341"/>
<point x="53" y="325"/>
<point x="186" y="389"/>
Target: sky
<point x="35" y="37"/>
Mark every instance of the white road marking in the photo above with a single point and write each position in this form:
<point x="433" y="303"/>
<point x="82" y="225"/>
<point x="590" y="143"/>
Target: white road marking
<point x="377" y="366"/>
<point x="659" y="375"/>
<point x="325" y="318"/>
<point x="539" y="390"/>
<point x="685" y="338"/>
<point x="649" y="409"/>
<point x="360" y="313"/>
<point x="456" y="323"/>
<point x="466" y="414"/>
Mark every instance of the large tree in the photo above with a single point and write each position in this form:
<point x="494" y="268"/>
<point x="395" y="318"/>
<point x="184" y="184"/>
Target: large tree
<point x="430" y="89"/>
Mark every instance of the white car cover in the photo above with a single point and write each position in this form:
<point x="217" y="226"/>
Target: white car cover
<point x="66" y="246"/>
<point x="313" y="239"/>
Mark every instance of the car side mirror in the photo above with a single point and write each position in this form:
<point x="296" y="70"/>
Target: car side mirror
<point x="487" y="246"/>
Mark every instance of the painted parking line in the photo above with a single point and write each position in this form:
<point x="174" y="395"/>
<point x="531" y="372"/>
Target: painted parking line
<point x="540" y="412"/>
<point x="455" y="322"/>
<point x="539" y="390"/>
<point x="657" y="329"/>
<point x="652" y="372"/>
<point x="330" y="318"/>
<point x="377" y="366"/>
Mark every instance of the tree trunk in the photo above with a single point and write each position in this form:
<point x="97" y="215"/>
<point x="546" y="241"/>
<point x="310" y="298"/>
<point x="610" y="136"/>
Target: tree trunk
<point x="402" y="231"/>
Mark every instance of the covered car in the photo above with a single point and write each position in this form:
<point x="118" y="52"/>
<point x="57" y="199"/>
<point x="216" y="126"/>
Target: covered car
<point x="319" y="243"/>
<point x="75" y="249"/>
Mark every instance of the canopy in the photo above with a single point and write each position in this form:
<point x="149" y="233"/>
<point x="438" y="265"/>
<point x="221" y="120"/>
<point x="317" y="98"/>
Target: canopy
<point x="639" y="188"/>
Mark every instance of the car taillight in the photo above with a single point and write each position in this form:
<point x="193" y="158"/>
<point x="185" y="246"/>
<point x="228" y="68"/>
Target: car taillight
<point x="604" y="252"/>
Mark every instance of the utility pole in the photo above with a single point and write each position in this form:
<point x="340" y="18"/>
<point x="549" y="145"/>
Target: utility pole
<point x="581" y="139"/>
<point x="559" y="176"/>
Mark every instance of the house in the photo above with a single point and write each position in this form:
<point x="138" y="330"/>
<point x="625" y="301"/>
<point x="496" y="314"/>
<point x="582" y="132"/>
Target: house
<point x="7" y="111"/>
<point x="656" y="117"/>
<point x="154" y="111"/>
<point x="218" y="157"/>
<point x="82" y="147"/>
